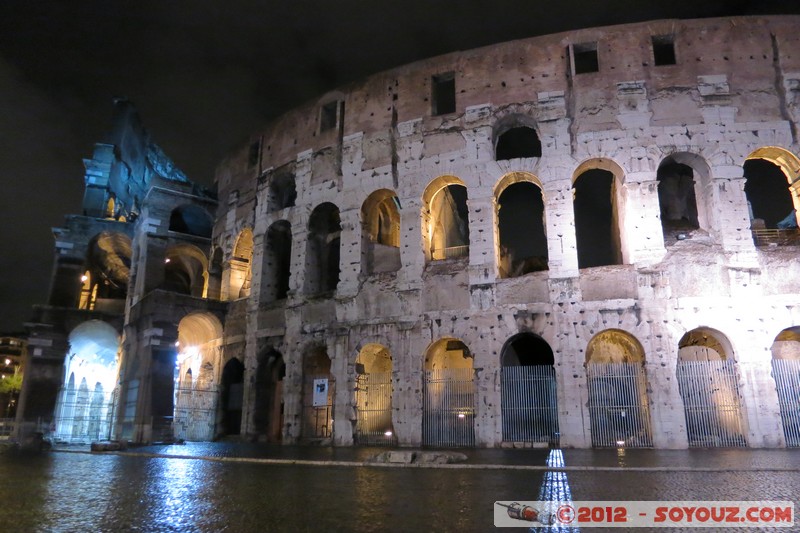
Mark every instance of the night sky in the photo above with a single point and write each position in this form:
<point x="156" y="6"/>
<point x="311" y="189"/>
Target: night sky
<point x="205" y="75"/>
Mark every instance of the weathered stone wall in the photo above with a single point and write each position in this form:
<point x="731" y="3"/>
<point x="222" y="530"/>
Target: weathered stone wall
<point x="732" y="91"/>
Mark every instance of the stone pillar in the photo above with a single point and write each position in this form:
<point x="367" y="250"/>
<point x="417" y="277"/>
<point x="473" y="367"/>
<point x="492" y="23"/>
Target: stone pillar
<point x="412" y="257"/>
<point x="667" y="417"/>
<point x="562" y="244"/>
<point x="761" y="416"/>
<point x="640" y="224"/>
<point x="349" y="253"/>
<point x="293" y="392"/>
<point x="407" y="375"/>
<point x="344" y="416"/>
<point x="731" y="222"/>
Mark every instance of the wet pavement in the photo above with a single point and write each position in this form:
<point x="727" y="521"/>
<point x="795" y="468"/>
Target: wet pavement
<point x="160" y="489"/>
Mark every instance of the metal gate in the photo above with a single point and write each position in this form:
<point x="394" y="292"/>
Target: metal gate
<point x="710" y="395"/>
<point x="618" y="409"/>
<point x="448" y="408"/>
<point x="317" y="419"/>
<point x="787" y="382"/>
<point x="195" y="414"/>
<point x="83" y="416"/>
<point x="529" y="408"/>
<point x="374" y="409"/>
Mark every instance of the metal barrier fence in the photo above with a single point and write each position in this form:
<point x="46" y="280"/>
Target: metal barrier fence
<point x="776" y="237"/>
<point x="618" y="409"/>
<point x="529" y="404"/>
<point x="448" y="408"/>
<point x="787" y="383"/>
<point x="195" y="414"/>
<point x="374" y="409"/>
<point x="452" y="252"/>
<point x="710" y="393"/>
<point x="83" y="416"/>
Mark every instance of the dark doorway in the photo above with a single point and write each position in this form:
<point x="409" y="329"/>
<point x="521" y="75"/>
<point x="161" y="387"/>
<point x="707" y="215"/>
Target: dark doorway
<point x="232" y="395"/>
<point x="268" y="415"/>
<point x="523" y="244"/>
<point x="596" y="226"/>
<point x="767" y="193"/>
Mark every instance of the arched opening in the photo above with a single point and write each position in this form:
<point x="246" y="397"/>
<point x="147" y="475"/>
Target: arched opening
<point x="528" y="390"/>
<point x="676" y="196"/>
<point x="277" y="262"/>
<point x="374" y="396"/>
<point x="445" y="219"/>
<point x="185" y="270"/>
<point x="769" y="172"/>
<point x="268" y="412"/>
<point x="241" y="266"/>
<point x="521" y="226"/>
<point x="708" y="385"/>
<point x="232" y="394"/>
<point x="518" y="142"/>
<point x="282" y="191"/>
<point x="768" y="195"/>
<point x="191" y="220"/>
<point x="318" y="388"/>
<point x="786" y="371"/>
<point x="322" y="255"/>
<point x="618" y="407"/>
<point x="380" y="219"/>
<point x="83" y="414"/>
<point x="196" y="402"/>
<point x="448" y="395"/>
<point x="597" y="218"/>
<point x="104" y="285"/>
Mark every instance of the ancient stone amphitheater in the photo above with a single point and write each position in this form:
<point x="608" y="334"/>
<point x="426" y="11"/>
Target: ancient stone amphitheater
<point x="581" y="239"/>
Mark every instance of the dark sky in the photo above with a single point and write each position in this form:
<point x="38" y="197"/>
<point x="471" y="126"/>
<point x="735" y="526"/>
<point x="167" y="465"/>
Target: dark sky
<point x="204" y="75"/>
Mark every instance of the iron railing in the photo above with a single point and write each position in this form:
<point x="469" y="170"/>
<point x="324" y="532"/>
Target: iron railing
<point x="452" y="252"/>
<point x="776" y="237"/>
<point x="448" y="408"/>
<point x="374" y="409"/>
<point x="710" y="393"/>
<point x="787" y="382"/>
<point x="619" y="413"/>
<point x="83" y="416"/>
<point x="195" y="414"/>
<point x="529" y="403"/>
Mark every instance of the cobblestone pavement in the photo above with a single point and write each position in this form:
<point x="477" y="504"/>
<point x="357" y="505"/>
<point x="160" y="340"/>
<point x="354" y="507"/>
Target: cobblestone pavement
<point x="168" y="492"/>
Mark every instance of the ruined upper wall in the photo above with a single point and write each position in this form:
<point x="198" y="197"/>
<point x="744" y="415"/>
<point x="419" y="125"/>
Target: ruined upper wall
<point x="742" y="62"/>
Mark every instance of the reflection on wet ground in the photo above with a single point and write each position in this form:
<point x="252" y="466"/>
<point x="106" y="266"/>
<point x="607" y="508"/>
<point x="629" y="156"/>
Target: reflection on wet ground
<point x="83" y="492"/>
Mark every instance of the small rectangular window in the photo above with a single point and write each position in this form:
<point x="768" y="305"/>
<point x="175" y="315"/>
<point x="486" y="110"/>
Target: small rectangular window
<point x="443" y="93"/>
<point x="328" y="118"/>
<point x="584" y="58"/>
<point x="663" y="50"/>
<point x="252" y="156"/>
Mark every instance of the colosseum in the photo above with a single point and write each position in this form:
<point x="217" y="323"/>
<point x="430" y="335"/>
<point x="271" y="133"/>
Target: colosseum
<point x="586" y="239"/>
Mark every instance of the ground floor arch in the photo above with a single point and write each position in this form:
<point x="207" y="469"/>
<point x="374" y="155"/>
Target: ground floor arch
<point x="374" y="396"/>
<point x="786" y="371"/>
<point x="708" y="385"/>
<point x="528" y="390"/>
<point x="196" y="379"/>
<point x="231" y="397"/>
<point x="619" y="410"/>
<point x="448" y="418"/>
<point x="318" y="394"/>
<point x="85" y="404"/>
